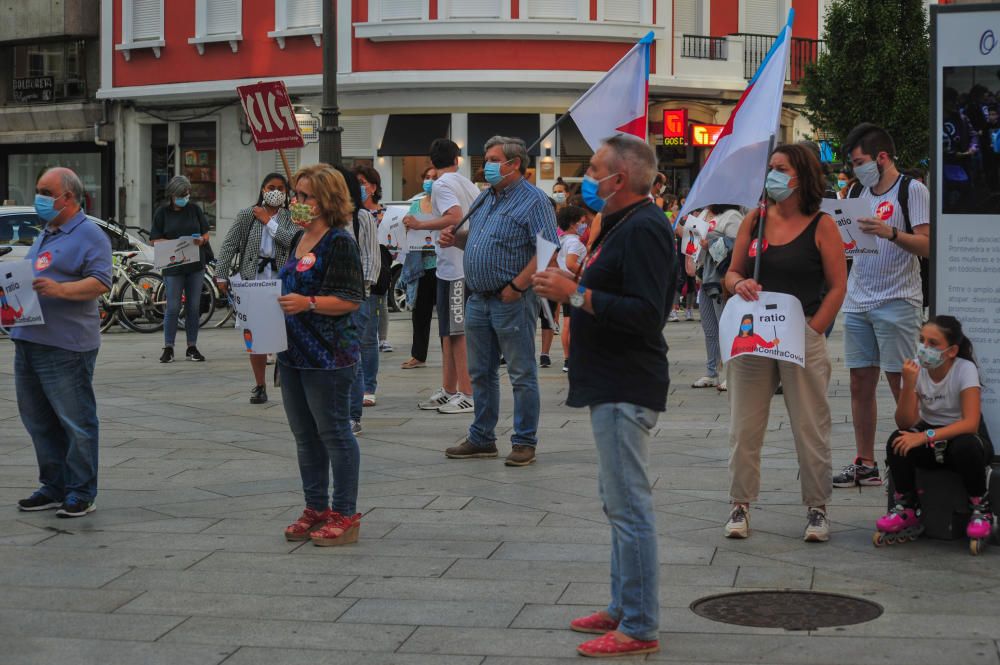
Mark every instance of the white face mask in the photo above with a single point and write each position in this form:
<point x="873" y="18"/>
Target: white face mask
<point x="274" y="198"/>
<point x="868" y="174"/>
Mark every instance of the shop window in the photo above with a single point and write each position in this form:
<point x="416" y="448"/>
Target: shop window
<point x="49" y="72"/>
<point x="24" y="169"/>
<point x="198" y="163"/>
<point x="142" y="26"/>
<point x="297" y="18"/>
<point x="218" y="21"/>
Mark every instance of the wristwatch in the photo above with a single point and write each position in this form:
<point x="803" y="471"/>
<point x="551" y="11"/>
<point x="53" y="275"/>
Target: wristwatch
<point x="930" y="437"/>
<point x="577" y="299"/>
<point x="312" y="303"/>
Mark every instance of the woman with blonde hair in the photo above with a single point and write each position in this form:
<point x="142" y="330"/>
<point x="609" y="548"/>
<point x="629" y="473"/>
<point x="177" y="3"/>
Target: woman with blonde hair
<point x="322" y="284"/>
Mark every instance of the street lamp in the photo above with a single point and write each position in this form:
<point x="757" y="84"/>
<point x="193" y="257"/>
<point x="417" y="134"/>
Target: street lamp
<point x="330" y="129"/>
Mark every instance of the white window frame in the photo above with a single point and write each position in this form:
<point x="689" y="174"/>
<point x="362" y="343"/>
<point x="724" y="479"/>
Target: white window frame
<point x="375" y="12"/>
<point x="582" y="11"/>
<point x="282" y="32"/>
<point x="444" y="11"/>
<point x="201" y="36"/>
<point x="128" y="43"/>
<point x="645" y="19"/>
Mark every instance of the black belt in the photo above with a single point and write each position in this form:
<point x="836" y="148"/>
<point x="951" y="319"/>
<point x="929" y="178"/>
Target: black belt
<point x="486" y="295"/>
<point x="265" y="261"/>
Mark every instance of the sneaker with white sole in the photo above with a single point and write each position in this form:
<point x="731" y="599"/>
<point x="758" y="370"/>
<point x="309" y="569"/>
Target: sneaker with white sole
<point x="435" y="401"/>
<point x="673" y="318"/>
<point x="459" y="403"/>
<point x="356" y="427"/>
<point x="722" y="387"/>
<point x="817" y="526"/>
<point x="738" y="525"/>
<point x="75" y="507"/>
<point x="858" y="473"/>
<point x="706" y="382"/>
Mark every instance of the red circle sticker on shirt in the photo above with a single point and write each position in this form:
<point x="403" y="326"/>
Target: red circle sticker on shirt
<point x="43" y="261"/>
<point x="753" y="247"/>
<point x="306" y="262"/>
<point x="884" y="210"/>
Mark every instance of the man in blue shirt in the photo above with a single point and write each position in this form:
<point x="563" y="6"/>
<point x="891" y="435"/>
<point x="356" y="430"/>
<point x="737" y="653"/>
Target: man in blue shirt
<point x="499" y="244"/>
<point x="54" y="362"/>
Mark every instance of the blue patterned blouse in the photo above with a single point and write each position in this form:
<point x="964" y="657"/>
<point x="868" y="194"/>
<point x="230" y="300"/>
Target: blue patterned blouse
<point x="332" y="268"/>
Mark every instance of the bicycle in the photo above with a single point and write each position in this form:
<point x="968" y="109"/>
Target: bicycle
<point x="132" y="300"/>
<point x="209" y="295"/>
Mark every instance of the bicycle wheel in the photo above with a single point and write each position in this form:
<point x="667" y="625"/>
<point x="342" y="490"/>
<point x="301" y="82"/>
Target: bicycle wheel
<point x="142" y="303"/>
<point x="107" y="313"/>
<point x="206" y="308"/>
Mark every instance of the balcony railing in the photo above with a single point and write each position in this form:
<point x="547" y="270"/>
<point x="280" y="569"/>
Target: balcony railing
<point x="803" y="52"/>
<point x="705" y="48"/>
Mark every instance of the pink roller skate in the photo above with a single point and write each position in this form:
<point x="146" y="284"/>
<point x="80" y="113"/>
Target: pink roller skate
<point x="980" y="526"/>
<point x="900" y="524"/>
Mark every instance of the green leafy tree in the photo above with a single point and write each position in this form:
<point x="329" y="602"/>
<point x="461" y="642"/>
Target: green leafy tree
<point x="875" y="69"/>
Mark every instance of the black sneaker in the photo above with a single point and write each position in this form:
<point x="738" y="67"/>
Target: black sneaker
<point x="857" y="473"/>
<point x="37" y="501"/>
<point x="258" y="395"/>
<point x="544" y="360"/>
<point x="194" y="354"/>
<point x="566" y="366"/>
<point x="168" y="355"/>
<point x="76" y="508"/>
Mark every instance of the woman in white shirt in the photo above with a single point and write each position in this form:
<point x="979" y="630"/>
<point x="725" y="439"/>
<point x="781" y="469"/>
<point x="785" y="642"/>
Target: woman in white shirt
<point x="940" y="426"/>
<point x="572" y="221"/>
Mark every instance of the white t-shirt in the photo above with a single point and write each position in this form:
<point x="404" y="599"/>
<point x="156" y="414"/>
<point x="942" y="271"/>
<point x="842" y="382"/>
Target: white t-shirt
<point x="941" y="403"/>
<point x="450" y="190"/>
<point x="569" y="244"/>
<point x="893" y="273"/>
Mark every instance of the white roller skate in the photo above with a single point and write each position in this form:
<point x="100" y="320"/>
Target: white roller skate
<point x="900" y="524"/>
<point x="980" y="526"/>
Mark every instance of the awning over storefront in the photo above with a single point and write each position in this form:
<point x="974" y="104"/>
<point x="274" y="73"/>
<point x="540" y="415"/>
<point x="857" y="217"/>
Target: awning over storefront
<point x="412" y="134"/>
<point x="571" y="141"/>
<point x="484" y="126"/>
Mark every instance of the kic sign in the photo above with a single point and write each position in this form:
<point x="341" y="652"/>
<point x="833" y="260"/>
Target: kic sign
<point x="271" y="117"/>
<point x="675" y="127"/>
<point x="705" y="136"/>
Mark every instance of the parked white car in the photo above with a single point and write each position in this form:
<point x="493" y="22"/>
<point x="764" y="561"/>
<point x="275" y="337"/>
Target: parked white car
<point x="20" y="225"/>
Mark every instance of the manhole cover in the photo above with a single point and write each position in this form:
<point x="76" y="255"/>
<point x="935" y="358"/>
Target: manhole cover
<point x="791" y="610"/>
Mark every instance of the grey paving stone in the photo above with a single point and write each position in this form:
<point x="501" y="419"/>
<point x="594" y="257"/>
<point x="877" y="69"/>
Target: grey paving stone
<point x="291" y="584"/>
<point x="492" y="642"/>
<point x="83" y="625"/>
<point x="475" y="614"/>
<point x="64" y="599"/>
<point x="344" y="564"/>
<point x="261" y="656"/>
<point x="291" y="634"/>
<point x="30" y="650"/>
<point x="237" y="606"/>
<point x="406" y="588"/>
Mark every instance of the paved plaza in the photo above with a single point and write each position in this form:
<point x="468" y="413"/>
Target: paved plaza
<point x="459" y="562"/>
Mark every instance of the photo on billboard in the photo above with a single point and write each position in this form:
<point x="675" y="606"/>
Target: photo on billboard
<point x="970" y="140"/>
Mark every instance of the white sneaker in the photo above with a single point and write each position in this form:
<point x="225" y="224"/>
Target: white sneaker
<point x="817" y="526"/>
<point x="439" y="398"/>
<point x="271" y="358"/>
<point x="722" y="387"/>
<point x="706" y="382"/>
<point x="689" y="316"/>
<point x="459" y="403"/>
<point x="738" y="525"/>
<point x="673" y="318"/>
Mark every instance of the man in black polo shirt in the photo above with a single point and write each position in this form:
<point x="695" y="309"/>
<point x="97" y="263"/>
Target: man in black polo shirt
<point x="619" y="369"/>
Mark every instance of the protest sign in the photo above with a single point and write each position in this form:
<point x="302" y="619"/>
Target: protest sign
<point x="391" y="231"/>
<point x="420" y="240"/>
<point x="545" y="251"/>
<point x="695" y="230"/>
<point x="19" y="305"/>
<point x="259" y="315"/>
<point x="846" y="213"/>
<point x="171" y="253"/>
<point x="771" y="327"/>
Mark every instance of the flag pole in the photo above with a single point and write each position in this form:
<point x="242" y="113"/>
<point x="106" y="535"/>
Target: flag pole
<point x="761" y="218"/>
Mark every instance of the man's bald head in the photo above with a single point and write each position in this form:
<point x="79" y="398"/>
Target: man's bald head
<point x="63" y="185"/>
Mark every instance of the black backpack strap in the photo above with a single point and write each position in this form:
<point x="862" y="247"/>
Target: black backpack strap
<point x="855" y="190"/>
<point x="903" y="197"/>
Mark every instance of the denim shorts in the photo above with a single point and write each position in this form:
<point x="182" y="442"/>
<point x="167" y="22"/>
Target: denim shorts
<point x="884" y="337"/>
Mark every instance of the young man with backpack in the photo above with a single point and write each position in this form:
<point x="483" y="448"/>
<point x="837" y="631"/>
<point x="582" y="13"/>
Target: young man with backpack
<point x="885" y="297"/>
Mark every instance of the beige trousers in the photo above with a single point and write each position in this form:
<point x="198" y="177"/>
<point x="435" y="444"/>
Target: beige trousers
<point x="752" y="381"/>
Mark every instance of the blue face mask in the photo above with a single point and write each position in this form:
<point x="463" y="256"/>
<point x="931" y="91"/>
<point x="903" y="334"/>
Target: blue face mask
<point x="364" y="193"/>
<point x="777" y="186"/>
<point x="491" y="171"/>
<point x="45" y="207"/>
<point x="589" y="192"/>
<point x="746" y="327"/>
<point x="428" y="186"/>
<point x="581" y="229"/>
<point x="182" y="201"/>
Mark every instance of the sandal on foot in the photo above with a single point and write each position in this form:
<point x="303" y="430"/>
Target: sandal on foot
<point x="608" y="646"/>
<point x="596" y="623"/>
<point x="339" y="530"/>
<point x="307" y="523"/>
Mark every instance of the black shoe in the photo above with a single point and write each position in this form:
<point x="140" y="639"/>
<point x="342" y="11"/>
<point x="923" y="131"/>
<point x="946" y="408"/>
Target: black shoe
<point x="566" y="365"/>
<point x="194" y="354"/>
<point x="258" y="395"/>
<point x="503" y="361"/>
<point x="76" y="508"/>
<point x="544" y="360"/>
<point x="168" y="355"/>
<point x="38" y="501"/>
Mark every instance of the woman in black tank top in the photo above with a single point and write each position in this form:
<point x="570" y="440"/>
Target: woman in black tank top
<point x="801" y="254"/>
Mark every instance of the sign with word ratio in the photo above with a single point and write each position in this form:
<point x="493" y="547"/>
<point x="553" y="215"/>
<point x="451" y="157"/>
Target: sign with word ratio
<point x="261" y="321"/>
<point x="271" y="116"/>
<point x="846" y="213"/>
<point x="771" y="327"/>
<point x="19" y="305"/>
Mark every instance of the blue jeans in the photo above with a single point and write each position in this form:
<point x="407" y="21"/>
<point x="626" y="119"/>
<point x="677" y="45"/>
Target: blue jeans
<point x="317" y="402"/>
<point x="55" y="397"/>
<point x="621" y="432"/>
<point x="190" y="287"/>
<point x="366" y="377"/>
<point x="491" y="328"/>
